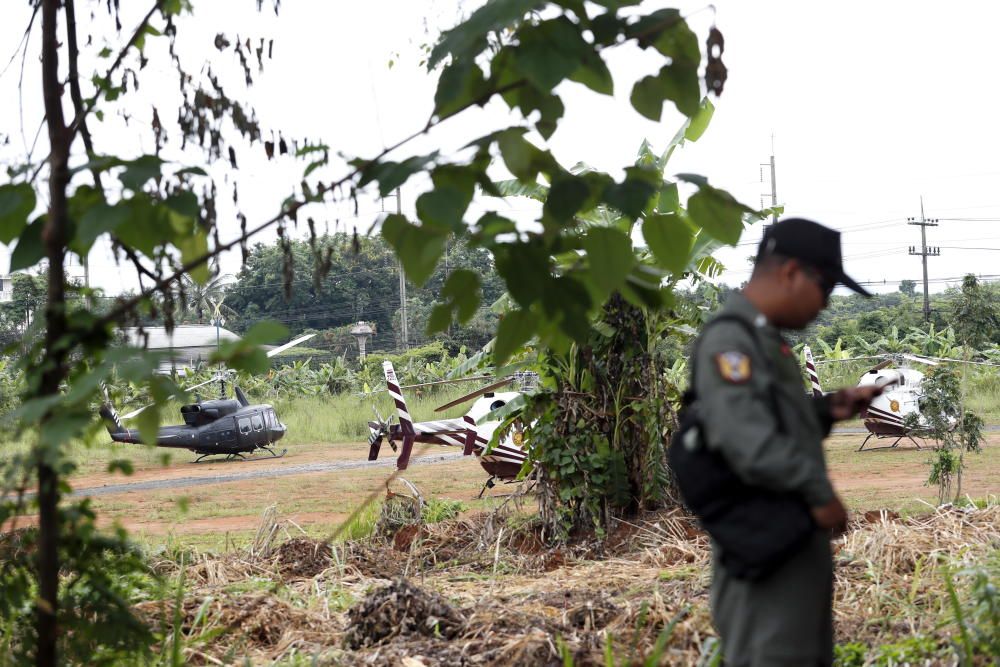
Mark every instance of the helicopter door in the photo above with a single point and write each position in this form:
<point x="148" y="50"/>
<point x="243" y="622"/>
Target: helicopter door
<point x="245" y="431"/>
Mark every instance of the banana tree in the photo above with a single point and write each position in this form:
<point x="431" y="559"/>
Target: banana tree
<point x="934" y="343"/>
<point x="835" y="352"/>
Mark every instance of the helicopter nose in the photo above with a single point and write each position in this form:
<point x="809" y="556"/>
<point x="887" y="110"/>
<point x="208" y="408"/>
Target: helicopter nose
<point x="278" y="432"/>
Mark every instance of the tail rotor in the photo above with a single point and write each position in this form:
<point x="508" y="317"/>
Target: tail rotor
<point x="378" y="430"/>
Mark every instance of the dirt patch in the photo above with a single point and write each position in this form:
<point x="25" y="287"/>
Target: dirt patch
<point x="400" y="610"/>
<point x="301" y="557"/>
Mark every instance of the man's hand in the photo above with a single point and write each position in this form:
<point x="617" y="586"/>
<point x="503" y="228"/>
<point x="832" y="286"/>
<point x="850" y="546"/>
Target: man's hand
<point x="831" y="517"/>
<point x="846" y="403"/>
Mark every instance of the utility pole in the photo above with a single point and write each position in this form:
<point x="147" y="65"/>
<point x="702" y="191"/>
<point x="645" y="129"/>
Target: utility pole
<point x="774" y="183"/>
<point x="402" y="281"/>
<point x="924" y="252"/>
<point x="402" y="285"/>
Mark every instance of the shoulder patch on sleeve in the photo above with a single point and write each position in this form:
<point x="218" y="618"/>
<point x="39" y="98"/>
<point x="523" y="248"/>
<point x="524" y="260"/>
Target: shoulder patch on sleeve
<point x="734" y="366"/>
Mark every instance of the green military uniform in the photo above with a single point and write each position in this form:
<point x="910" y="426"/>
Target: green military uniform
<point x="784" y="619"/>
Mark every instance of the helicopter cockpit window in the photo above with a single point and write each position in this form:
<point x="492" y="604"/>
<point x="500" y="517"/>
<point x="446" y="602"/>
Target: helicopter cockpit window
<point x="258" y="423"/>
<point x="245" y="428"/>
<point x="497" y="404"/>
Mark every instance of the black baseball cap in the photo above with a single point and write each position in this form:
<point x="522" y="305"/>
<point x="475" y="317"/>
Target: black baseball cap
<point x="812" y="244"/>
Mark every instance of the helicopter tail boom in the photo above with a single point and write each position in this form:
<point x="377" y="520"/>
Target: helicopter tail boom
<point x="817" y="390"/>
<point x="113" y="422"/>
<point x="392" y="384"/>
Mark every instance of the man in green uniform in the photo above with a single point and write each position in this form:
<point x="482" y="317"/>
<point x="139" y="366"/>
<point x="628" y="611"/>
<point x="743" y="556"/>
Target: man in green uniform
<point x="755" y="412"/>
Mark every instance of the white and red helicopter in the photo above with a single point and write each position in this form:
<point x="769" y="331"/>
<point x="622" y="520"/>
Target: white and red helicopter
<point x="889" y="413"/>
<point x="472" y="431"/>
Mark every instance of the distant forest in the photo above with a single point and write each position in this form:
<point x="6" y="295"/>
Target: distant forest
<point x="362" y="284"/>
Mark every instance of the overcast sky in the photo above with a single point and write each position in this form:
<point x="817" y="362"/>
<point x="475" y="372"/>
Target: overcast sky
<point x="871" y="106"/>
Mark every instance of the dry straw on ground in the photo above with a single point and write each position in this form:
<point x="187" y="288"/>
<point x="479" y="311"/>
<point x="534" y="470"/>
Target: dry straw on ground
<point x="498" y="597"/>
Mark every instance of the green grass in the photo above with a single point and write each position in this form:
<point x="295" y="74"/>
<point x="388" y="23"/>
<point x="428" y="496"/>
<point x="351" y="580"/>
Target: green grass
<point x="345" y="417"/>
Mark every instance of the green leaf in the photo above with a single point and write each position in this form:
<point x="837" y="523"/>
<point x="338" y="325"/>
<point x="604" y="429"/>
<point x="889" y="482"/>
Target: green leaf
<point x="17" y="201"/>
<point x="549" y="52"/>
<point x="632" y="195"/>
<point x="528" y="99"/>
<point x="718" y="213"/>
<point x="460" y="293"/>
<point x="418" y="248"/>
<point x="124" y="466"/>
<point x="522" y="158"/>
<point x="490" y="226"/>
<point x="606" y="27"/>
<point x="670" y="238"/>
<point x="699" y="122"/>
<point x="193" y="247"/>
<point x="461" y="83"/>
<point x="667" y="32"/>
<point x="29" y="249"/>
<point x="567" y="303"/>
<point x="265" y="333"/>
<point x="669" y="200"/>
<point x="594" y="74"/>
<point x="145" y="224"/>
<point x="99" y="219"/>
<point x="148" y="422"/>
<point x="245" y="354"/>
<point x="674" y="82"/>
<point x="390" y="175"/>
<point x="139" y="171"/>
<point x="610" y="255"/>
<point x="514" y="330"/>
<point x="193" y="171"/>
<point x="525" y="269"/>
<point x="567" y="195"/>
<point x="468" y="39"/>
<point x="184" y="202"/>
<point x="62" y="428"/>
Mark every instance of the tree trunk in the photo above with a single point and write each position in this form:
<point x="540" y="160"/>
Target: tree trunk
<point x="54" y="238"/>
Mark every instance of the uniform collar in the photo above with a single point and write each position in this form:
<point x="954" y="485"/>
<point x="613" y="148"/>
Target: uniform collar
<point x="739" y="305"/>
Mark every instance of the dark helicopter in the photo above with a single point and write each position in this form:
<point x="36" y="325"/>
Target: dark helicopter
<point x="228" y="427"/>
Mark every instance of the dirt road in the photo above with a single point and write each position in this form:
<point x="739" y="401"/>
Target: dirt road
<point x="254" y="473"/>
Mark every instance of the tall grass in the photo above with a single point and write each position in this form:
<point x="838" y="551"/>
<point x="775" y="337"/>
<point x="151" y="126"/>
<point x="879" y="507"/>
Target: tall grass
<point x="345" y="417"/>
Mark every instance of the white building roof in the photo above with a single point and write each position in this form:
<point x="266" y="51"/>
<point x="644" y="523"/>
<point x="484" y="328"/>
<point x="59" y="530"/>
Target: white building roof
<point x="184" y="337"/>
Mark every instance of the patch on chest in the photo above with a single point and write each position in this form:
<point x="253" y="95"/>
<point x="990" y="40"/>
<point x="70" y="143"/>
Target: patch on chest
<point x="733" y="366"/>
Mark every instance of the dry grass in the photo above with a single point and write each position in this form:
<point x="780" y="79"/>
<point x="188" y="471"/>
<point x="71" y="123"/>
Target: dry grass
<point x="500" y="598"/>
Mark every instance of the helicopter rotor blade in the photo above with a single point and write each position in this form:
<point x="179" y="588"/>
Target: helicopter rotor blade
<point x="290" y="344"/>
<point x="139" y="411"/>
<point x="920" y="360"/>
<point x="136" y="413"/>
<point x="476" y="394"/>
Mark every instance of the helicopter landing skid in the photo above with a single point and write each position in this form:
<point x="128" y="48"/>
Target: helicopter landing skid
<point x="237" y="456"/>
<point x="273" y="454"/>
<point x="894" y="445"/>
<point x="492" y="481"/>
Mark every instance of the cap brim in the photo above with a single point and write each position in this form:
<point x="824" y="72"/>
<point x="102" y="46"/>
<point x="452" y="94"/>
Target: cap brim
<point x="847" y="281"/>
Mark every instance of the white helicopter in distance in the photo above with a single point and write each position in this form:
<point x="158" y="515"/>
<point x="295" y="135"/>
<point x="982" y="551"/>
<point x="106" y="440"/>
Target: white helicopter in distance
<point x="472" y="432"/>
<point x="888" y="413"/>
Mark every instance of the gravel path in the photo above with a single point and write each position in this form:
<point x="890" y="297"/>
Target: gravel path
<point x="242" y="474"/>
